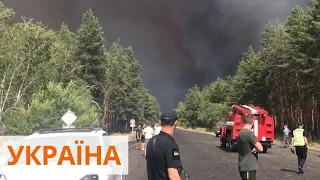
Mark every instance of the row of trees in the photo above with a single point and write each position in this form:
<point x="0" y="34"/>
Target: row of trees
<point x="204" y="108"/>
<point x="44" y="73"/>
<point x="283" y="77"/>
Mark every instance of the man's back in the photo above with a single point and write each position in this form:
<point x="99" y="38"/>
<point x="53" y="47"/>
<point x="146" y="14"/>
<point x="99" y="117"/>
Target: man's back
<point x="299" y="135"/>
<point x="247" y="160"/>
<point x="164" y="155"/>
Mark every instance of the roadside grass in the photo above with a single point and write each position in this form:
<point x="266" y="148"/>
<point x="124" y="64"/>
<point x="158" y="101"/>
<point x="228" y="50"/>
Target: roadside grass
<point x="313" y="144"/>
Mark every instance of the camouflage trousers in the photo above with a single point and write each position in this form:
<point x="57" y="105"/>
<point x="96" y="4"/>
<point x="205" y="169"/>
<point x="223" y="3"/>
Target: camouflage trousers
<point x="286" y="141"/>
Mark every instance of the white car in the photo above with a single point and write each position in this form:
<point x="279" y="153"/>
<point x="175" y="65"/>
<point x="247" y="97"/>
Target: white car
<point x="92" y="137"/>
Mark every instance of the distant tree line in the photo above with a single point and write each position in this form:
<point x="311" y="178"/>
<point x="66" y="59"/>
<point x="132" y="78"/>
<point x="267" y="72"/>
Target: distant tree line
<point x="44" y="73"/>
<point x="283" y="77"/>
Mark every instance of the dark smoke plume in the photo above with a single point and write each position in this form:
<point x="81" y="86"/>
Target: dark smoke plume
<point x="179" y="42"/>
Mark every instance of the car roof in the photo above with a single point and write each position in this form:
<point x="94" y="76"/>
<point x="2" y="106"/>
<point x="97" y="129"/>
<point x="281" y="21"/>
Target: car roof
<point x="68" y="132"/>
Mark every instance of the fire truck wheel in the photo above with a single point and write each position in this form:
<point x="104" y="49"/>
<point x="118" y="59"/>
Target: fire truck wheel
<point x="228" y="144"/>
<point x="231" y="146"/>
<point x="222" y="143"/>
<point x="265" y="149"/>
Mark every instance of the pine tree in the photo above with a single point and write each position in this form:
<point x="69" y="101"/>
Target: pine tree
<point x="91" y="53"/>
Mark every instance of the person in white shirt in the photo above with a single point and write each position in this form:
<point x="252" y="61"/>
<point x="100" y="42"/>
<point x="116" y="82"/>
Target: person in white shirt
<point x="157" y="128"/>
<point x="148" y="132"/>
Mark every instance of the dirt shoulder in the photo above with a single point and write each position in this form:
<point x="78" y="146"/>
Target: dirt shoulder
<point x="198" y="130"/>
<point x="312" y="145"/>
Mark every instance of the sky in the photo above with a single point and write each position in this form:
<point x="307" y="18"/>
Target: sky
<point x="179" y="43"/>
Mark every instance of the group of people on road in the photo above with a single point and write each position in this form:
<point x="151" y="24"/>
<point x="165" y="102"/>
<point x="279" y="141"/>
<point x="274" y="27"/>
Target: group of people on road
<point x="161" y="151"/>
<point x="163" y="155"/>
<point x="144" y="134"/>
<point x="299" y="143"/>
<point x="248" y="146"/>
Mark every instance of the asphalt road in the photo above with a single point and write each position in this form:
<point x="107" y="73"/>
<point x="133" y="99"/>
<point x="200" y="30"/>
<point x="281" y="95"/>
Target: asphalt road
<point x="205" y="160"/>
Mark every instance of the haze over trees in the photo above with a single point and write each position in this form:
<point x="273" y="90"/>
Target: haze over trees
<point x="283" y="77"/>
<point x="44" y="73"/>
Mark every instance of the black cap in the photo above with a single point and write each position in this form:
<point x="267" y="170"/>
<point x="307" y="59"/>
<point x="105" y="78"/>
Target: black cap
<point x="169" y="116"/>
<point x="300" y="123"/>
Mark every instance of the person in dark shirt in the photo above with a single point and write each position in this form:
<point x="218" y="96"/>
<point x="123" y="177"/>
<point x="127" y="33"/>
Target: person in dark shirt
<point x="163" y="156"/>
<point x="248" y="145"/>
<point x="138" y="137"/>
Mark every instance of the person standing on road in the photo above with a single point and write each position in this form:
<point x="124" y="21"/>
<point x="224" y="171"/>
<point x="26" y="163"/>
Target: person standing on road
<point x="157" y="128"/>
<point x="286" y="133"/>
<point x="248" y="146"/>
<point x="148" y="132"/>
<point x="143" y="137"/>
<point x="138" y="137"/>
<point x="163" y="157"/>
<point x="300" y="142"/>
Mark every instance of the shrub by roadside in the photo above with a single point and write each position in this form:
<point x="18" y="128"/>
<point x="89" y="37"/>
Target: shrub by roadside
<point x="314" y="145"/>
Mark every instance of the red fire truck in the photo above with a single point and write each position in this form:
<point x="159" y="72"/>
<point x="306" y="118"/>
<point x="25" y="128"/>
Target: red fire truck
<point x="263" y="126"/>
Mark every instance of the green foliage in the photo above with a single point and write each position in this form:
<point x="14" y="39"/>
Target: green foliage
<point x="282" y="77"/>
<point x="151" y="109"/>
<point x="211" y="113"/>
<point x="48" y="105"/>
<point x="125" y="94"/>
<point x="44" y="73"/>
<point x="249" y="81"/>
<point x="25" y="62"/>
<point x="193" y="100"/>
<point x="63" y="55"/>
<point x="91" y="53"/>
<point x="217" y="92"/>
<point x="181" y="111"/>
<point x="6" y="15"/>
<point x="204" y="108"/>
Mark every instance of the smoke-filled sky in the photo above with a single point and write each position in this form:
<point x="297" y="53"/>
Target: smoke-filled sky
<point x="178" y="42"/>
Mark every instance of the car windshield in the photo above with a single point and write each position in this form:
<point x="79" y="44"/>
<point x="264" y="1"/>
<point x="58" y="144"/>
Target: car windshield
<point x="59" y="142"/>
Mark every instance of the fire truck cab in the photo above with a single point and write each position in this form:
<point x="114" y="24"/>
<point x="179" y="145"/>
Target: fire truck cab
<point x="263" y="126"/>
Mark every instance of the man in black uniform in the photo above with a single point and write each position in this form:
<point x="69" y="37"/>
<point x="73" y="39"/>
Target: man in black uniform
<point x="163" y="157"/>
